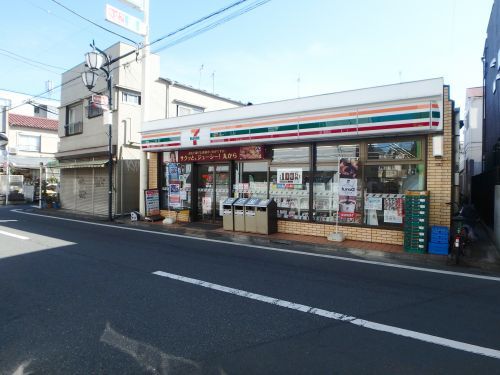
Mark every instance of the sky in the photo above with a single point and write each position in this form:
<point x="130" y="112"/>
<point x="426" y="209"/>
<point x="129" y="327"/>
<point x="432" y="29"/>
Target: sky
<point x="280" y="50"/>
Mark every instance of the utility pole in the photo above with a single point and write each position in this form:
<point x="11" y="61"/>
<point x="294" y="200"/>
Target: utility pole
<point x="143" y="167"/>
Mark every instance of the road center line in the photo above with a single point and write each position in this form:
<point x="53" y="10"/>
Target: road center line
<point x="13" y="235"/>
<point x="276" y="249"/>
<point x="488" y="352"/>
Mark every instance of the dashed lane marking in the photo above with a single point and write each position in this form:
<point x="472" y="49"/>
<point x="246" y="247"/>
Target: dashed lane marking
<point x="458" y="345"/>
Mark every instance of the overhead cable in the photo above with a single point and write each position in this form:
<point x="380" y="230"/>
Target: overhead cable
<point x="93" y="23"/>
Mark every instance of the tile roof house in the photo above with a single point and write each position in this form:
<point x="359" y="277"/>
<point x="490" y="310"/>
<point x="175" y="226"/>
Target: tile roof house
<point x="33" y="122"/>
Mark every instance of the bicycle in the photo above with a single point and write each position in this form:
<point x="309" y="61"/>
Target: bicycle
<point x="459" y="236"/>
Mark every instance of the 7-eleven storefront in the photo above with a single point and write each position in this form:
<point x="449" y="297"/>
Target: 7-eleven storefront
<point x="387" y="140"/>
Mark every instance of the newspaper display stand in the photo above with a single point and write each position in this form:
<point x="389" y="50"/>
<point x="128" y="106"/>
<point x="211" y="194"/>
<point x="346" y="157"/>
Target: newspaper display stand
<point x="239" y="214"/>
<point x="266" y="216"/>
<point x="228" y="214"/>
<point x="250" y="217"/>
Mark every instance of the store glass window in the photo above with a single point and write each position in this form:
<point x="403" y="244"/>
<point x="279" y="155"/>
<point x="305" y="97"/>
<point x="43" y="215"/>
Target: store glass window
<point x="251" y="180"/>
<point x="325" y="188"/>
<point x="400" y="150"/>
<point x="385" y="189"/>
<point x="289" y="186"/>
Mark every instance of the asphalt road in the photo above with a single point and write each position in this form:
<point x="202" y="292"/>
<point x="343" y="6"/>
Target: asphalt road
<point x="77" y="298"/>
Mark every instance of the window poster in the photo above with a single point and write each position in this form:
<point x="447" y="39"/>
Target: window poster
<point x="373" y="202"/>
<point x="393" y="210"/>
<point x="174" y="195"/>
<point x="289" y="176"/>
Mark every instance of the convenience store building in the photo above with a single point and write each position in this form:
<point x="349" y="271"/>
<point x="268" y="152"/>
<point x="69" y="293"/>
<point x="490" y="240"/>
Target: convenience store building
<point x="387" y="140"/>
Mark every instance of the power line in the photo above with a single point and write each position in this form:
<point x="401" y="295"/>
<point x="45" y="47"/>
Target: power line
<point x="92" y="22"/>
<point x="39" y="95"/>
<point x="213" y="14"/>
<point x="212" y="25"/>
<point x="28" y="63"/>
<point x="186" y="37"/>
<point x="43" y="109"/>
<point x="34" y="61"/>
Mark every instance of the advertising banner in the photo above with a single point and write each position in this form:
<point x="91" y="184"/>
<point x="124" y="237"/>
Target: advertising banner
<point x="222" y="154"/>
<point x="152" y="202"/>
<point x="348" y="187"/>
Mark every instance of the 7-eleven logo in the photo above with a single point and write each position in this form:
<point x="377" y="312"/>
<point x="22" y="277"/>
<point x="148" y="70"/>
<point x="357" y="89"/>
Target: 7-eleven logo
<point x="195" y="136"/>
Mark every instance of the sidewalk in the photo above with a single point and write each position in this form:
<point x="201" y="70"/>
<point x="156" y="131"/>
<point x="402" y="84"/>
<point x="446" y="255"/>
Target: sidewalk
<point x="482" y="254"/>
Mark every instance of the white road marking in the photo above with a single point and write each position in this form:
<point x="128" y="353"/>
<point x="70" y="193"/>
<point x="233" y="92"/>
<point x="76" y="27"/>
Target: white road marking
<point x="296" y="252"/>
<point x="13" y="235"/>
<point x="488" y="352"/>
<point x="6" y="221"/>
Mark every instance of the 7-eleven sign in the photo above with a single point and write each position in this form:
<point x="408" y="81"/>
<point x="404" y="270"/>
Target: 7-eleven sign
<point x="195" y="137"/>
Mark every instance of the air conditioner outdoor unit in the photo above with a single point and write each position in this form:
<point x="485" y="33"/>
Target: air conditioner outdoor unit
<point x="12" y="150"/>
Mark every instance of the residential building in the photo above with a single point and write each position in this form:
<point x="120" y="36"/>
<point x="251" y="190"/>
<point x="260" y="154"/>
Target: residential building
<point x="31" y="126"/>
<point x="349" y="157"/>
<point x="83" y="149"/>
<point x="471" y="163"/>
<point x="485" y="188"/>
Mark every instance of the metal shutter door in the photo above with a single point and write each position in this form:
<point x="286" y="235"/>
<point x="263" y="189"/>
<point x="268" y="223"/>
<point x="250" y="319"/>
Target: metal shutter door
<point x="84" y="187"/>
<point x="67" y="190"/>
<point x="101" y="191"/>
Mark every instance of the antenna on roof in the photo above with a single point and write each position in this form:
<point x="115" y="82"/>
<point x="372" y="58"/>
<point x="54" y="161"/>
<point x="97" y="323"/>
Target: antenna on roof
<point x="48" y="87"/>
<point x="213" y="82"/>
<point x="199" y="82"/>
<point x="298" y="86"/>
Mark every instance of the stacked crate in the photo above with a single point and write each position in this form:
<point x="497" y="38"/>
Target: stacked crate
<point x="439" y="242"/>
<point x="416" y="223"/>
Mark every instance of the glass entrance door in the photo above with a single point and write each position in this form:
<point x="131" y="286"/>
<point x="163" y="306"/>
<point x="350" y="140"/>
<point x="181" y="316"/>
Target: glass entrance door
<point x="213" y="189"/>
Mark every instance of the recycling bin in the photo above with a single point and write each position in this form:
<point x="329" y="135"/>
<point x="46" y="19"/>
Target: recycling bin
<point x="250" y="210"/>
<point x="239" y="214"/>
<point x="228" y="214"/>
<point x="266" y="216"/>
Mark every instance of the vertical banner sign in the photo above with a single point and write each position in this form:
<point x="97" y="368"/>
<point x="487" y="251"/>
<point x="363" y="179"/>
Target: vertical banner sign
<point x="152" y="202"/>
<point x="348" y="189"/>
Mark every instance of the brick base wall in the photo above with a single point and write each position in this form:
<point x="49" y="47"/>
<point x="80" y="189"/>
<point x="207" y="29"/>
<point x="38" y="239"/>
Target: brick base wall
<point x="393" y="237"/>
<point x="181" y="216"/>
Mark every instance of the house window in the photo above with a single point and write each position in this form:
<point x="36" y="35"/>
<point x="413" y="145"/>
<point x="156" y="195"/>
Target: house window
<point x="27" y="142"/>
<point x="74" y="120"/>
<point x="131" y="98"/>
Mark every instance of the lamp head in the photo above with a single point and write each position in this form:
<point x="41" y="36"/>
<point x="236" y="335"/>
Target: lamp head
<point x="94" y="60"/>
<point x="89" y="78"/>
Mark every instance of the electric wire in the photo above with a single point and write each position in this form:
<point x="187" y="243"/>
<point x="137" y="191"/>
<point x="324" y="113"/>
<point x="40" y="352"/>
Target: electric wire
<point x="31" y="60"/>
<point x="185" y="37"/>
<point x="212" y="25"/>
<point x="28" y="63"/>
<point x="93" y="23"/>
<point x="43" y="109"/>
<point x="213" y="14"/>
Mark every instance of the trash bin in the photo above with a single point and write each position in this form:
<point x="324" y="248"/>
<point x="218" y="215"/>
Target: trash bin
<point x="250" y="210"/>
<point x="239" y="214"/>
<point x="266" y="216"/>
<point x="228" y="214"/>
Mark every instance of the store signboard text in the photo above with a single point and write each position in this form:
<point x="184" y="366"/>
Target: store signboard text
<point x="222" y="154"/>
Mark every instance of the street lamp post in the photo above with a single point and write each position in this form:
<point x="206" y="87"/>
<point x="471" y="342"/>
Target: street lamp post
<point x="98" y="60"/>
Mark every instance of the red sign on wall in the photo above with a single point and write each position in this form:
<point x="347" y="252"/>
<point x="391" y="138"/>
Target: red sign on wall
<point x="222" y="154"/>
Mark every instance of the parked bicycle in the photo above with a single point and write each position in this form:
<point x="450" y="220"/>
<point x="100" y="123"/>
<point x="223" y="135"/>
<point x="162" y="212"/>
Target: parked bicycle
<point x="462" y="224"/>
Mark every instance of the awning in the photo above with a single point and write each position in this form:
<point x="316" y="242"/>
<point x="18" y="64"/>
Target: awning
<point x="27" y="162"/>
<point x="99" y="163"/>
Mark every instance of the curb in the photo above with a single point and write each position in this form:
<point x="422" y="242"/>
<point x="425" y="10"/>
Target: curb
<point x="328" y="249"/>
